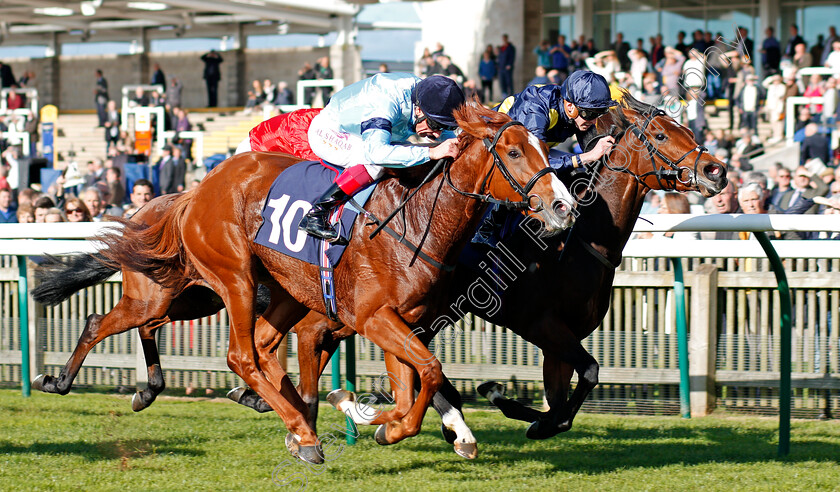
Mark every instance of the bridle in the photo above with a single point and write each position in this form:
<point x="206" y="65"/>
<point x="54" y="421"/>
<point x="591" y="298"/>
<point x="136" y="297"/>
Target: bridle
<point x="499" y="164"/>
<point x="673" y="172"/>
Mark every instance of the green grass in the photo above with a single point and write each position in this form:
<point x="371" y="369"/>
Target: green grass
<point x="93" y="441"/>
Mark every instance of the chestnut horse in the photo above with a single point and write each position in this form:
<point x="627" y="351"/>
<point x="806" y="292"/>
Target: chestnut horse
<point x="205" y="235"/>
<point x="564" y="294"/>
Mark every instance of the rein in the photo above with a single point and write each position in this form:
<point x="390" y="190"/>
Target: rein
<point x="499" y="164"/>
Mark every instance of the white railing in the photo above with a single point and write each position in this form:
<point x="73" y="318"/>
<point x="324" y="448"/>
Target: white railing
<point x="126" y="100"/>
<point x="22" y="136"/>
<point x="336" y="84"/>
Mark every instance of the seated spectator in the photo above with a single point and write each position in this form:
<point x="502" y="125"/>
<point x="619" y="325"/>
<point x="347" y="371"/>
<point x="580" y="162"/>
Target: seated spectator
<point x="41" y="206"/>
<point x="54" y="215"/>
<point x="540" y="76"/>
<point x="782" y="190"/>
<point x="805" y="188"/>
<point x="725" y="202"/>
<point x="26" y="214"/>
<point x="140" y="98"/>
<point x="141" y="193"/>
<point x="76" y="210"/>
<point x="8" y="214"/>
<point x="284" y="95"/>
<point x="801" y="57"/>
<point x="814" y="146"/>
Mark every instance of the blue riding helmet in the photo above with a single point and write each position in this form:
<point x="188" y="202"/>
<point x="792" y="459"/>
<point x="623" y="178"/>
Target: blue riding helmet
<point x="438" y="97"/>
<point x="587" y="90"/>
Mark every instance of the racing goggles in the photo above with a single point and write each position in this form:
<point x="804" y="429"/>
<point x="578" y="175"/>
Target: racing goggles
<point x="436" y="126"/>
<point x="590" y="114"/>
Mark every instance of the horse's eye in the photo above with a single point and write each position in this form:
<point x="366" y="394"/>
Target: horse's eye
<point x="660" y="136"/>
<point x="514" y="154"/>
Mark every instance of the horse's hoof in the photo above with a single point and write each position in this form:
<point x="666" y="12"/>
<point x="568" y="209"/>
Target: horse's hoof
<point x="468" y="450"/>
<point x="448" y="435"/>
<point x="538" y="431"/>
<point x="236" y="394"/>
<point x="311" y="454"/>
<point x="489" y="387"/>
<point x="292" y="444"/>
<point x="380" y="437"/>
<point x="137" y="402"/>
<point x="38" y="383"/>
<point x="338" y="396"/>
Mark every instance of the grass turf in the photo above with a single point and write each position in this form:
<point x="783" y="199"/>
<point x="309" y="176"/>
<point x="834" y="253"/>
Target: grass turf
<point x="95" y="442"/>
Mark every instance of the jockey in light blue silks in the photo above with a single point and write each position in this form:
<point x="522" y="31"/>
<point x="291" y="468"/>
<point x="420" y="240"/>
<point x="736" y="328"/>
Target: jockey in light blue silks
<point x="553" y="113"/>
<point x="356" y="130"/>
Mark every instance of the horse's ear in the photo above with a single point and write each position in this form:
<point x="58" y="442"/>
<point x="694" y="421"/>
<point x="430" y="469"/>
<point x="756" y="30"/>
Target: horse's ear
<point x="474" y="119"/>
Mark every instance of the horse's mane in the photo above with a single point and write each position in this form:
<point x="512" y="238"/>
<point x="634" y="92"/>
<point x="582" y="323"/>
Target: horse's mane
<point x="477" y="122"/>
<point x="627" y="101"/>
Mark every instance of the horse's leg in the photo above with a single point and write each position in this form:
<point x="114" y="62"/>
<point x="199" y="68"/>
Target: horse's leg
<point x="447" y="402"/>
<point x="142" y="399"/>
<point x="562" y="412"/>
<point x="390" y="332"/>
<point x="512" y="409"/>
<point x="122" y="318"/>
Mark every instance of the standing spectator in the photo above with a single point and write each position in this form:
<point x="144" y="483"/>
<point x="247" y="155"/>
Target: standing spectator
<point x="269" y="91"/>
<point x="33" y="122"/>
<point x="774" y="104"/>
<point x="657" y="51"/>
<point x="7" y="77"/>
<point x="166" y="168"/>
<point x="832" y="60"/>
<point x="112" y="125"/>
<point x="212" y="76"/>
<point x="681" y="45"/>
<point x="487" y="72"/>
<point x="745" y="44"/>
<point x="173" y="92"/>
<point x="54" y="215"/>
<point x="76" y="210"/>
<point x="307" y="73"/>
<point x="725" y="202"/>
<point x="748" y="101"/>
<point x="814" y="146"/>
<point x="8" y="214"/>
<point x="621" y="48"/>
<point x="25" y="214"/>
<point x="604" y="63"/>
<point x="794" y="40"/>
<point x="815" y="89"/>
<point x="830" y="101"/>
<point x="183" y="125"/>
<point x="449" y="69"/>
<point x="100" y="96"/>
<point x="383" y="68"/>
<point x="671" y="70"/>
<point x="638" y="66"/>
<point x="543" y="52"/>
<point x="507" y="58"/>
<point x="540" y="77"/>
<point x="561" y="56"/>
<point x="42" y="206"/>
<point x="470" y="91"/>
<point x="324" y="71"/>
<point x="284" y="95"/>
<point x="771" y="52"/>
<point x="95" y="172"/>
<point x="180" y="168"/>
<point x="828" y="45"/>
<point x="817" y="50"/>
<point x="695" y="114"/>
<point x="158" y="78"/>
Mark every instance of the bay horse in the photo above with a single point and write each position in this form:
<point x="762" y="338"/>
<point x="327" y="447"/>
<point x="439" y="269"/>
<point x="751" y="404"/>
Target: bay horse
<point x="382" y="287"/>
<point x="563" y="294"/>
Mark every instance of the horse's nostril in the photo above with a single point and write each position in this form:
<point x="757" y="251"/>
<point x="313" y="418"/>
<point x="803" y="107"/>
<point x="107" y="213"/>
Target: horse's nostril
<point x="560" y="207"/>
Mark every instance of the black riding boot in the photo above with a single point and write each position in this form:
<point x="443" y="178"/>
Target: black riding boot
<point x="316" y="221"/>
<point x="490" y="230"/>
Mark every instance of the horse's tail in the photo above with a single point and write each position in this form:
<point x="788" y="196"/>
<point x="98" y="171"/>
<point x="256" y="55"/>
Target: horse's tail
<point x="155" y="250"/>
<point x="59" y="278"/>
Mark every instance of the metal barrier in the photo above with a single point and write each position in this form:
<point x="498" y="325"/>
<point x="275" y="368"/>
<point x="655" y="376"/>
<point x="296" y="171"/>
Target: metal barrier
<point x="336" y="84"/>
<point x="31" y="98"/>
<point x="633" y="344"/>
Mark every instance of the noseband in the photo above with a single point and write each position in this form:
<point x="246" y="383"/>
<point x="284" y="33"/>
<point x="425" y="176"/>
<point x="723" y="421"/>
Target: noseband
<point x="675" y="172"/>
<point x="499" y="164"/>
<point x="672" y="173"/>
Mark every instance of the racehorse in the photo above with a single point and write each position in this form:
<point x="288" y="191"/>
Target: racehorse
<point x="205" y="236"/>
<point x="561" y="292"/>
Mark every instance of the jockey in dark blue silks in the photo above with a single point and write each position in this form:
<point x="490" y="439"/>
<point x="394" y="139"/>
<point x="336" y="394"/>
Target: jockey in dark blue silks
<point x="553" y="113"/>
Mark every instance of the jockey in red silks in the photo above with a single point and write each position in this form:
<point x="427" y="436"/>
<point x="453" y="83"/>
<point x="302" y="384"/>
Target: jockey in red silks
<point x="285" y="133"/>
<point x="356" y="130"/>
<point x="359" y="125"/>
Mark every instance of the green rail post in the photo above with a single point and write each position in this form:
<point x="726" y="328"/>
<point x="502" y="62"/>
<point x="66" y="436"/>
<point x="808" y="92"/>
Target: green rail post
<point x="350" y="369"/>
<point x="23" y="306"/>
<point x="785" y="352"/>
<point x="336" y="368"/>
<point x="682" y="338"/>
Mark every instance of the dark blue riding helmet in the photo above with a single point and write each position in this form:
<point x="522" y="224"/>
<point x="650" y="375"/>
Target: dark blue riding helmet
<point x="587" y="89"/>
<point x="438" y="97"/>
